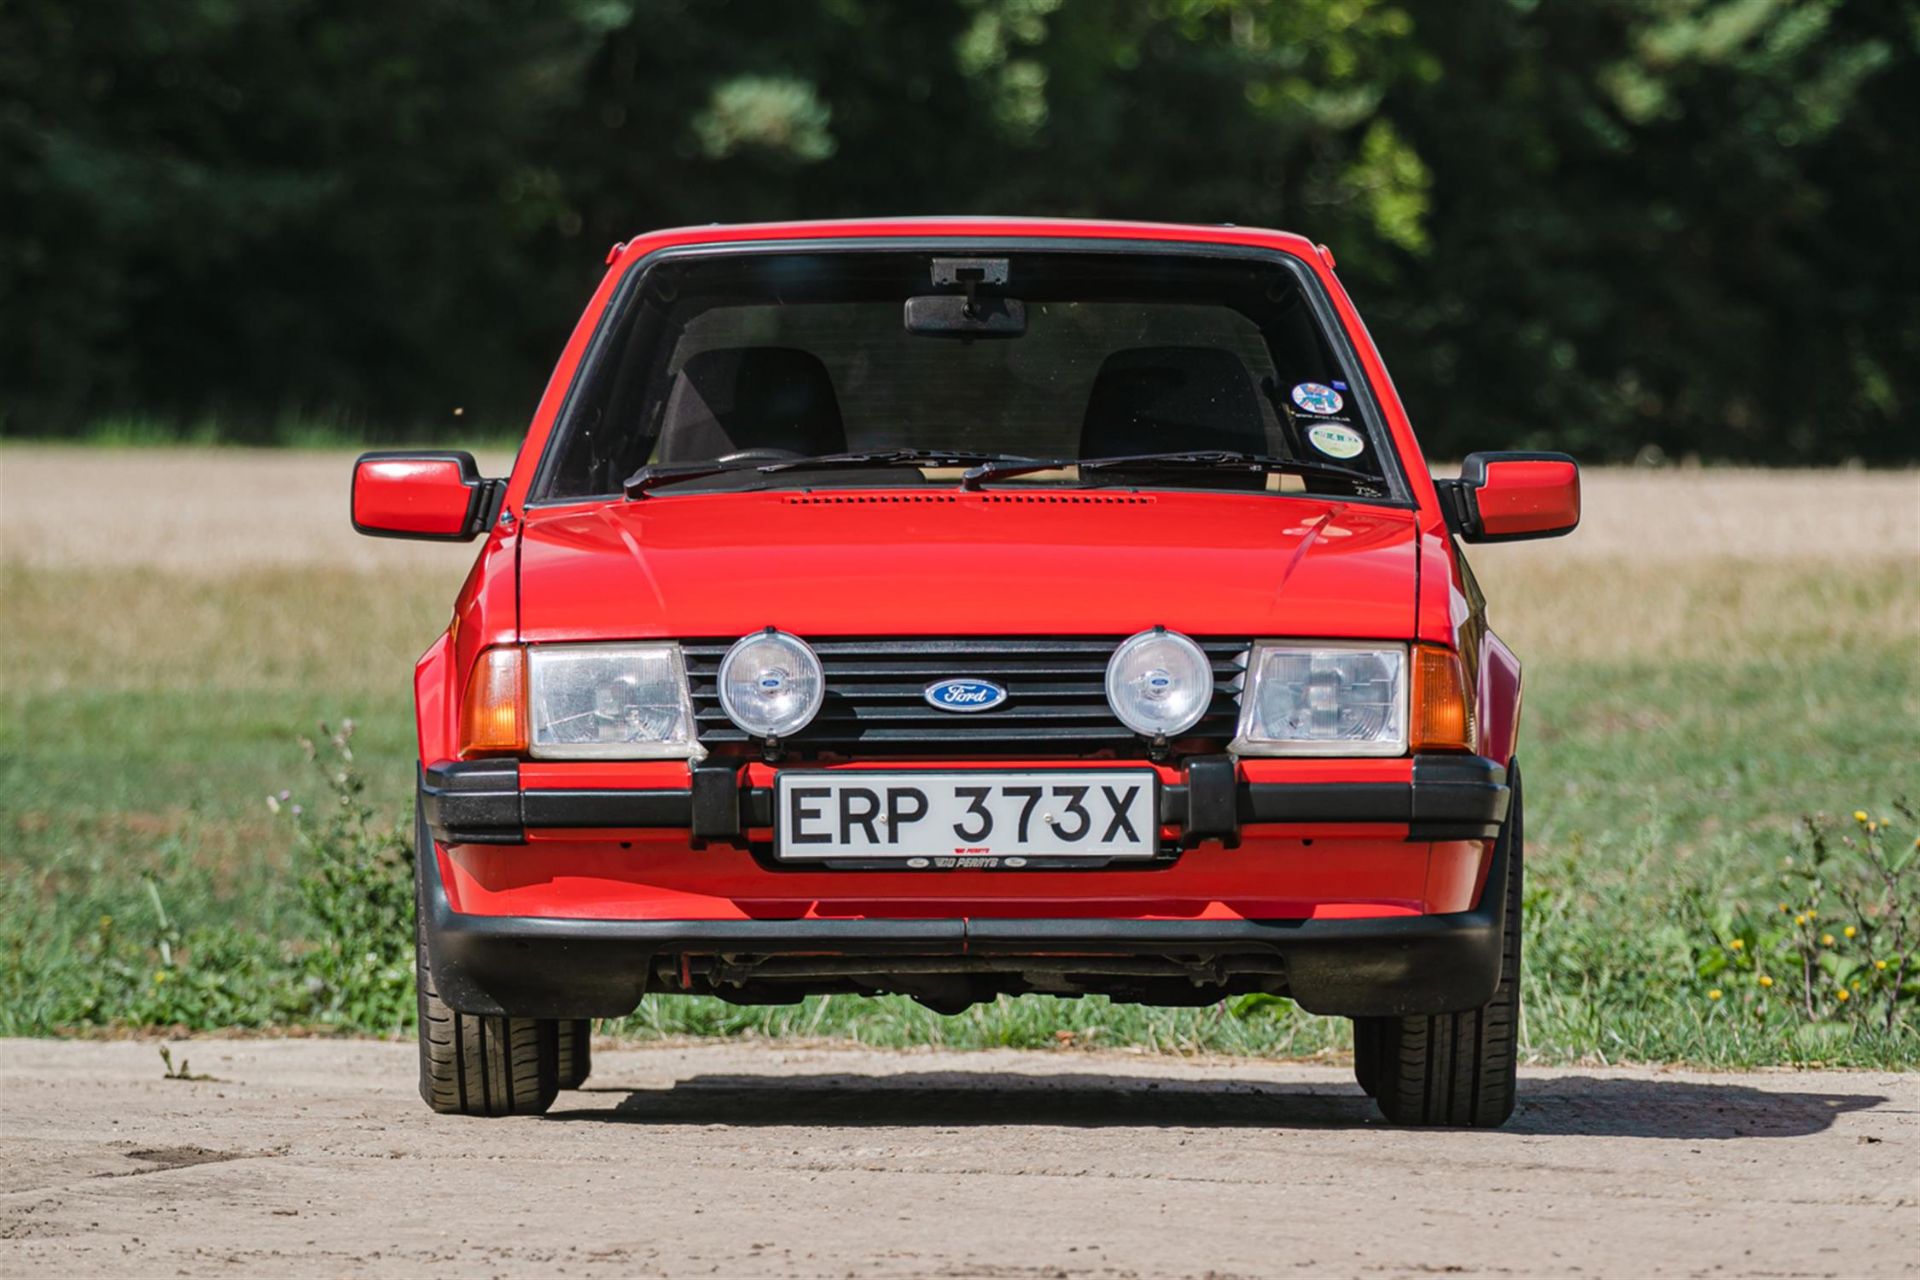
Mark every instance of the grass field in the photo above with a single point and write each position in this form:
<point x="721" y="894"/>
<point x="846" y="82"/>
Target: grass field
<point x="1713" y="655"/>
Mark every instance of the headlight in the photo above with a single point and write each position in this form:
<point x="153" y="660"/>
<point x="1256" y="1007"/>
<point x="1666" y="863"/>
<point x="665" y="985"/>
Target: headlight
<point x="609" y="702"/>
<point x="1159" y="683"/>
<point x="771" y="684"/>
<point x="1326" y="699"/>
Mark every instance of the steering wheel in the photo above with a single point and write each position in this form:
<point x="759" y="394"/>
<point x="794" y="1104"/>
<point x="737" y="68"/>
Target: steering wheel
<point x="762" y="454"/>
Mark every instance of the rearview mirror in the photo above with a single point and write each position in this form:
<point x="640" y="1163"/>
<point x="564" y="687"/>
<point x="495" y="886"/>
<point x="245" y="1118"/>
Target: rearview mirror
<point x="946" y="315"/>
<point x="1505" y="497"/>
<point x="437" y="497"/>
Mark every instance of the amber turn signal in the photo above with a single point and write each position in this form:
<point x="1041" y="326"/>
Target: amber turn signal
<point x="493" y="718"/>
<point x="1442" y="717"/>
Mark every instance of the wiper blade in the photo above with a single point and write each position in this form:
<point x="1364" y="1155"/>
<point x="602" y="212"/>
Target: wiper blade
<point x="1229" y="460"/>
<point x="890" y="458"/>
<point x="654" y="474"/>
<point x="1218" y="459"/>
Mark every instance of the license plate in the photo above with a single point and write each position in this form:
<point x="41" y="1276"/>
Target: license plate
<point x="946" y="820"/>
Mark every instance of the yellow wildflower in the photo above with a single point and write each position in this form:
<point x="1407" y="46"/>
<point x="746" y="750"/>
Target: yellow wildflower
<point x="1800" y="919"/>
<point x="1843" y="995"/>
<point x="1879" y="964"/>
<point x="1738" y="944"/>
<point x="1849" y="931"/>
<point x="1785" y="908"/>
<point x="159" y="975"/>
<point x="1714" y="994"/>
<point x="1826" y="939"/>
<point x="1765" y="981"/>
<point x="1859" y="815"/>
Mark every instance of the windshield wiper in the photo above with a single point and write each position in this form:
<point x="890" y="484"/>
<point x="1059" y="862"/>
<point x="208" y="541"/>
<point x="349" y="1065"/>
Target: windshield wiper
<point x="892" y="458"/>
<point x="654" y="474"/>
<point x="1216" y="459"/>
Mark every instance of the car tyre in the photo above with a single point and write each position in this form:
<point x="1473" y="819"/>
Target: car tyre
<point x="1455" y="1069"/>
<point x="1366" y="1053"/>
<point x="575" y="1038"/>
<point x="475" y="1065"/>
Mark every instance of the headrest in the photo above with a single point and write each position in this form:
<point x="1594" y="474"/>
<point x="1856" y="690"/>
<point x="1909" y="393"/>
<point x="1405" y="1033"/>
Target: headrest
<point x="1159" y="399"/>
<point x="735" y="398"/>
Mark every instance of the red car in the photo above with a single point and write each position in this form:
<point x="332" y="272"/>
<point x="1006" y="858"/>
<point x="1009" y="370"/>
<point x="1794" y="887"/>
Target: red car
<point x="957" y="607"/>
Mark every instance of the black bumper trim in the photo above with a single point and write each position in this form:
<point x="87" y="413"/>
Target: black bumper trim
<point x="1456" y="798"/>
<point x="1449" y="798"/>
<point x="672" y="809"/>
<point x="474" y="802"/>
<point x="556" y="968"/>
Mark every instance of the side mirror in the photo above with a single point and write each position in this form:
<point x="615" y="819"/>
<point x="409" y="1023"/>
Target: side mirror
<point x="438" y="497"/>
<point x="1504" y="497"/>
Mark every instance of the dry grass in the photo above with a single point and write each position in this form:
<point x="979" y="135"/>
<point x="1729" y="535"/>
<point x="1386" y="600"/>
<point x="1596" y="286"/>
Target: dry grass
<point x="211" y="511"/>
<point x="195" y="511"/>
<point x="295" y="627"/>
<point x="238" y="569"/>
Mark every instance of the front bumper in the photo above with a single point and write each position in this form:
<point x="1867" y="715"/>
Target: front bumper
<point x="1447" y="797"/>
<point x="541" y="966"/>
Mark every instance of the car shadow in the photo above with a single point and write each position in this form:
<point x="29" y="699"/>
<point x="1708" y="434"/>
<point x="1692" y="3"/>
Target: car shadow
<point x="1593" y="1106"/>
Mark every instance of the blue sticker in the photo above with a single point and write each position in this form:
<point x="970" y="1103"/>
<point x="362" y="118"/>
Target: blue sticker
<point x="1316" y="397"/>
<point x="1339" y="385"/>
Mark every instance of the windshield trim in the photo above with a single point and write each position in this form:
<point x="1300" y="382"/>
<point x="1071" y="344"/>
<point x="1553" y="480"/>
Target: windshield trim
<point x="1360" y="386"/>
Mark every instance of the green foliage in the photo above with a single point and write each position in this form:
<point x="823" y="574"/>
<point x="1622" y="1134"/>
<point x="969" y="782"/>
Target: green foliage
<point x="1662" y="802"/>
<point x="1263" y="1026"/>
<point x="1666" y="223"/>
<point x="139" y="966"/>
<point x="174" y="946"/>
<point x="356" y="880"/>
<point x="1842" y="952"/>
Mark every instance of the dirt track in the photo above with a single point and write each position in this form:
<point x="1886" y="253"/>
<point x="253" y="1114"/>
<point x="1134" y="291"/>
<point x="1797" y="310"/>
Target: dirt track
<point x="316" y="1157"/>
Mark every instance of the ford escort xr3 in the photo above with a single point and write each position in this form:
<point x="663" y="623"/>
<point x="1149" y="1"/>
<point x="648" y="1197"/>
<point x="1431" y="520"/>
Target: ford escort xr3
<point x="964" y="607"/>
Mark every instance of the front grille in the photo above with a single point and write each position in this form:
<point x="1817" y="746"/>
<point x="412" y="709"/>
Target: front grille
<point x="1056" y="699"/>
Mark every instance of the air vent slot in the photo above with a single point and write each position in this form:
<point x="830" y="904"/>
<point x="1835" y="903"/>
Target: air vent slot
<point x="871" y="499"/>
<point x="1068" y="499"/>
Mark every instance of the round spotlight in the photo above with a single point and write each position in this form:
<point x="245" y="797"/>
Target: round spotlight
<point x="771" y="684"/>
<point x="1159" y="683"/>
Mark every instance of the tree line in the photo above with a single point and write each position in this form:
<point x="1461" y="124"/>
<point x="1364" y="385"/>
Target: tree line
<point x="1611" y="226"/>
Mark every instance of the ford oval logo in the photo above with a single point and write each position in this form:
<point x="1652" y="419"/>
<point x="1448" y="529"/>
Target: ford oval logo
<point x="965" y="694"/>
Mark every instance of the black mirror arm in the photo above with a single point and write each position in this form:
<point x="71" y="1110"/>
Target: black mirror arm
<point x="1459" y="508"/>
<point x="493" y="495"/>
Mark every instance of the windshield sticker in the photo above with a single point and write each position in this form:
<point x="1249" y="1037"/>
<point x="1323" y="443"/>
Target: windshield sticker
<point x="1339" y="385"/>
<point x="1317" y="397"/>
<point x="1335" y="440"/>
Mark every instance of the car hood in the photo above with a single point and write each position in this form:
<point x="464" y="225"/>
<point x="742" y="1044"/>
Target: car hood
<point x="874" y="563"/>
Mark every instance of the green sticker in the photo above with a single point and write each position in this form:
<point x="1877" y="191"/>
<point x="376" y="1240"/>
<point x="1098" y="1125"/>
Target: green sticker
<point x="1335" y="440"/>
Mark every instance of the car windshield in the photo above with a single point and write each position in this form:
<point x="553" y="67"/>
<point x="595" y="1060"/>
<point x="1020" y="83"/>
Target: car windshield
<point x="785" y="370"/>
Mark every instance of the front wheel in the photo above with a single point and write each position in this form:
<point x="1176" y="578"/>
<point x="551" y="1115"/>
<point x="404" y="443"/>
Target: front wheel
<point x="473" y="1065"/>
<point x="576" y="1051"/>
<point x="1454" y="1068"/>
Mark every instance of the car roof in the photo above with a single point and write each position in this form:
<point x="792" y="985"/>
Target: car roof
<point x="967" y="227"/>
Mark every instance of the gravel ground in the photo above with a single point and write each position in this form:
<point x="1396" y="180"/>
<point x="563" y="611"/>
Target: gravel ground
<point x="317" y="1158"/>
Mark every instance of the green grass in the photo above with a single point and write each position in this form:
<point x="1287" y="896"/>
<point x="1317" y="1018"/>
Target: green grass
<point x="146" y="883"/>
